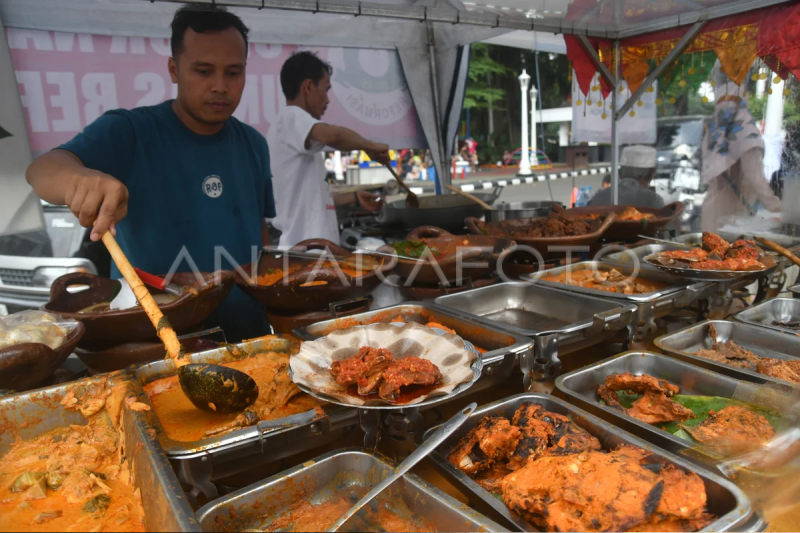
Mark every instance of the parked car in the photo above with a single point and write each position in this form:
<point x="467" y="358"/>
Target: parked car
<point x="30" y="262"/>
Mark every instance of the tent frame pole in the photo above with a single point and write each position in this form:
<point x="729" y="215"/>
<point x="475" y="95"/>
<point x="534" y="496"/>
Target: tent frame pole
<point x="446" y="178"/>
<point x="617" y="83"/>
<point x="680" y="47"/>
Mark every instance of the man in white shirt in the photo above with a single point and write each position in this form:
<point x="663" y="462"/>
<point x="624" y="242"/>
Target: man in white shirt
<point x="304" y="204"/>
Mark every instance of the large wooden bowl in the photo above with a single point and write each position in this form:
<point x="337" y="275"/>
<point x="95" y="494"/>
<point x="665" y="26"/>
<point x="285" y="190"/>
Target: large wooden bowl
<point x="289" y="294"/>
<point x="629" y="230"/>
<point x="476" y="255"/>
<point x="129" y="325"/>
<point x="25" y="366"/>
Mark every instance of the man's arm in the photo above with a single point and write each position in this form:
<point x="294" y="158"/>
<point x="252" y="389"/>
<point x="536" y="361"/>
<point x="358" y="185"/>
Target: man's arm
<point x="95" y="198"/>
<point x="346" y="140"/>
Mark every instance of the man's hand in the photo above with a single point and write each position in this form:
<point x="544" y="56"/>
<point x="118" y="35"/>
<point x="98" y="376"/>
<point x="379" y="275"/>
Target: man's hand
<point x="369" y="201"/>
<point x="98" y="200"/>
<point x="379" y="152"/>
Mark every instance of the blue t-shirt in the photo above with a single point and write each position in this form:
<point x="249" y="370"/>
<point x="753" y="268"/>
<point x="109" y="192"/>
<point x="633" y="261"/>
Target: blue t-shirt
<point x="190" y="195"/>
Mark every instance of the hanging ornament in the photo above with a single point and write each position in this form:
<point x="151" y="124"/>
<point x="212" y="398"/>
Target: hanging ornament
<point x="787" y="92"/>
<point x="702" y="63"/>
<point x="599" y="103"/>
<point x="633" y="113"/>
<point x="762" y="76"/>
<point x="777" y="79"/>
<point x="589" y="101"/>
<point x="658" y="101"/>
<point x="692" y="70"/>
<point x="672" y="100"/>
<point x="705" y="99"/>
<point x="640" y="103"/>
<point x="682" y="83"/>
<point x="769" y="90"/>
<point x="604" y="116"/>
<point x="579" y="102"/>
<point x="754" y="77"/>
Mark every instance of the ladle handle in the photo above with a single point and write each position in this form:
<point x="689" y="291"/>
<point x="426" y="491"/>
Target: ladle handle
<point x="472" y="197"/>
<point x="778" y="248"/>
<point x="401" y="182"/>
<point x="160" y="322"/>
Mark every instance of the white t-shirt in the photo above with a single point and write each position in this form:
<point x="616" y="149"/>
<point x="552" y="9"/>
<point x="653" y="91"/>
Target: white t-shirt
<point x="303" y="202"/>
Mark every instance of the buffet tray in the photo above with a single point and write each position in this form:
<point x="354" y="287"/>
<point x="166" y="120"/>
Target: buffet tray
<point x="256" y="506"/>
<point x="678" y="292"/>
<point x="685" y="343"/>
<point x="31" y="414"/>
<point x="559" y="322"/>
<point x="498" y="343"/>
<point x="580" y="388"/>
<point x="778" y="309"/>
<point x="724" y="498"/>
<point x="240" y="450"/>
<point x="626" y="257"/>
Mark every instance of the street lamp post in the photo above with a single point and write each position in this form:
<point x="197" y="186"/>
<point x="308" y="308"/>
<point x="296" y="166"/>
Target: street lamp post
<point x="534" y="156"/>
<point x="524" y="161"/>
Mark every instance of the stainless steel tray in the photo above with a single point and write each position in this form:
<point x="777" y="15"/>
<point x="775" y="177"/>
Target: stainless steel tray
<point x="770" y="265"/>
<point x="724" y="499"/>
<point x="580" y="388"/>
<point x="497" y="342"/>
<point x="200" y="462"/>
<point x="559" y="322"/>
<point x="34" y="413"/>
<point x="351" y="470"/>
<point x="765" y="313"/>
<point x="685" y="343"/>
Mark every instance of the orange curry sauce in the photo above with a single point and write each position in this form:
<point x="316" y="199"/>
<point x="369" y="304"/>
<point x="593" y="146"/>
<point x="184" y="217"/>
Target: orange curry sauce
<point x="274" y="275"/>
<point x="183" y="422"/>
<point x="585" y="278"/>
<point x="85" y="485"/>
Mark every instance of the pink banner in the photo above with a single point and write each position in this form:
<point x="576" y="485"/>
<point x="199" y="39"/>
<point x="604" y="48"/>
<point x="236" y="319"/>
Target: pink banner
<point x="67" y="80"/>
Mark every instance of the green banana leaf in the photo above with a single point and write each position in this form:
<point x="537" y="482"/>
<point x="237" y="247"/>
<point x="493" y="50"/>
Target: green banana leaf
<point x="700" y="406"/>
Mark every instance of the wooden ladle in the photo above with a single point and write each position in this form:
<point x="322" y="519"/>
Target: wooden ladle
<point x="412" y="201"/>
<point x="775" y="247"/>
<point x="471" y="197"/>
<point x="209" y="387"/>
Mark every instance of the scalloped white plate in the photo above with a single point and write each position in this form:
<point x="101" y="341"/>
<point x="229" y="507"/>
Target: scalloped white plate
<point x="459" y="361"/>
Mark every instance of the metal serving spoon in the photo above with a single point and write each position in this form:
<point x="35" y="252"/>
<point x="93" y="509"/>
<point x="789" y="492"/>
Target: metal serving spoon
<point x="430" y="444"/>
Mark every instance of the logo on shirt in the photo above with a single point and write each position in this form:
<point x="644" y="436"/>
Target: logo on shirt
<point x="212" y="186"/>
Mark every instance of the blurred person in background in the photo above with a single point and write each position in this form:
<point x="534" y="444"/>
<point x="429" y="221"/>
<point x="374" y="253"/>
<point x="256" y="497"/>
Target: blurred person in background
<point x="606" y="182"/>
<point x="637" y="168"/>
<point x="733" y="159"/>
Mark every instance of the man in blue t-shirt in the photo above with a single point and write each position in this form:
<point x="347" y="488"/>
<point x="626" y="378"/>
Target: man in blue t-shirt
<point x="181" y="184"/>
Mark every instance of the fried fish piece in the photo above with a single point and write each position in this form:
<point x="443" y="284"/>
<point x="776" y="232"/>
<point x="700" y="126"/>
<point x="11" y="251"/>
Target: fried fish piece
<point x="733" y="430"/>
<point x="492" y="440"/>
<point x="640" y="384"/>
<point x="657" y="408"/>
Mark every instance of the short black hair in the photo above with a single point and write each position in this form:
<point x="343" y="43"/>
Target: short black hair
<point x="204" y="19"/>
<point x="607" y="179"/>
<point x="299" y="67"/>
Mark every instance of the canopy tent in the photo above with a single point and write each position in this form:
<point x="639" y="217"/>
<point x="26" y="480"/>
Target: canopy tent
<point x="431" y="37"/>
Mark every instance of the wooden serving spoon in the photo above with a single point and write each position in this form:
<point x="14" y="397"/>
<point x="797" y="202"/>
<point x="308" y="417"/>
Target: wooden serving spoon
<point x="471" y="197"/>
<point x="209" y="387"/>
<point x="775" y="247"/>
<point x="412" y="202"/>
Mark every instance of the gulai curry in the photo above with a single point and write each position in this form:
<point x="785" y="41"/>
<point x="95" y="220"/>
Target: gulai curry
<point x="278" y="397"/>
<point x="74" y="478"/>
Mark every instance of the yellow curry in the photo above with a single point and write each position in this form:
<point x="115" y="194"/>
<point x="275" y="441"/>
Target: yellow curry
<point x="73" y="478"/>
<point x="277" y="397"/>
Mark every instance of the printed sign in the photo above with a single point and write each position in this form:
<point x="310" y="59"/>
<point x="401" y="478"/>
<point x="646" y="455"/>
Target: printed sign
<point x="67" y="80"/>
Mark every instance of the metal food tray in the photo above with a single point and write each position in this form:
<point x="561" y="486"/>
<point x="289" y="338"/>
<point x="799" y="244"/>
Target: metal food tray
<point x="31" y="414"/>
<point x="559" y="322"/>
<point x="201" y="462"/>
<point x="725" y="499"/>
<point x="502" y="347"/>
<point x="678" y="294"/>
<point x="255" y="507"/>
<point x="778" y="309"/>
<point x="770" y="266"/>
<point x="580" y="388"/>
<point x="685" y="343"/>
